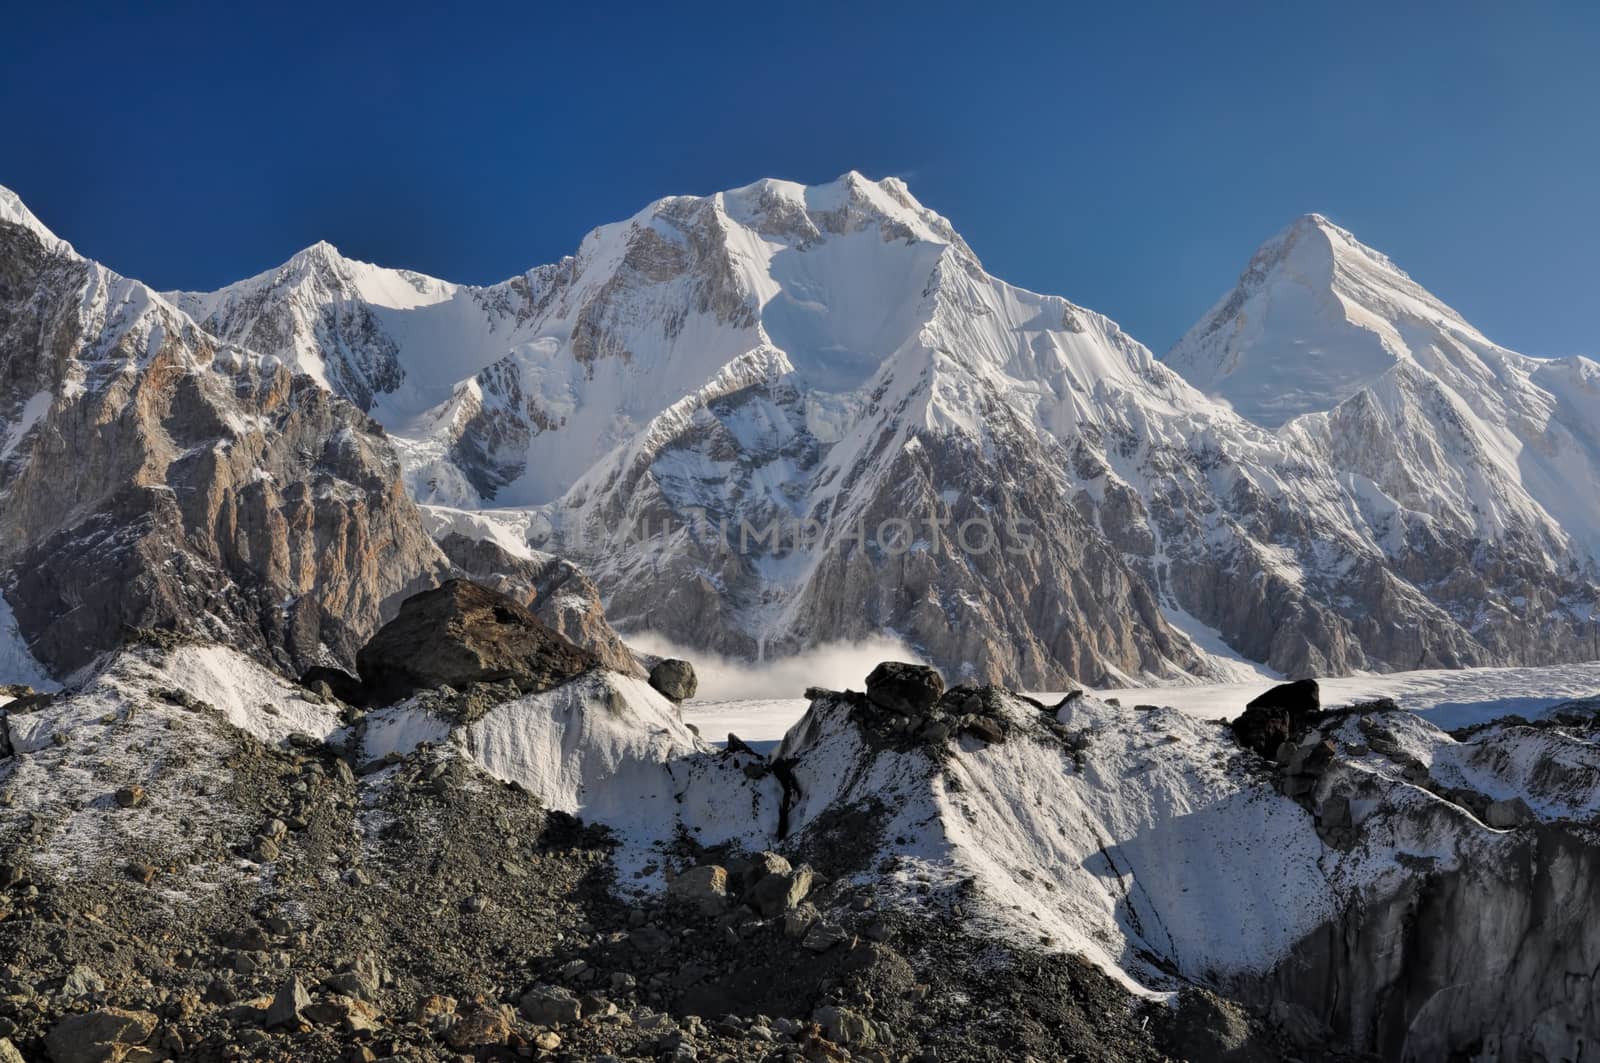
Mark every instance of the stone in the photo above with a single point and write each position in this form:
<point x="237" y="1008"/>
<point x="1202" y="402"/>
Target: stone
<point x="778" y="892"/>
<point x="550" y="1005"/>
<point x="82" y="981"/>
<point x="987" y="728"/>
<point x="431" y="1008"/>
<point x="104" y="1036"/>
<point x="288" y="1005"/>
<point x="9" y="1053"/>
<point x="843" y="1026"/>
<point x="705" y="887"/>
<point x="559" y="592"/>
<point x="482" y="1028"/>
<point x="675" y="678"/>
<point x="130" y="796"/>
<point x="823" y="936"/>
<point x="760" y="866"/>
<point x="1276" y="716"/>
<point x="797" y="920"/>
<point x="908" y="689"/>
<point x="357" y="984"/>
<point x="463" y="633"/>
<point x="1507" y="814"/>
<point x="346" y="1013"/>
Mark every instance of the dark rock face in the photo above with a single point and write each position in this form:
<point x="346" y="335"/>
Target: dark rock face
<point x="909" y="689"/>
<point x="462" y="633"/>
<point x="675" y="679"/>
<point x="1272" y="718"/>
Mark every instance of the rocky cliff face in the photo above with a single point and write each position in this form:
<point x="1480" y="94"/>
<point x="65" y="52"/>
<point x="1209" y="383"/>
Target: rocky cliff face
<point x="170" y="480"/>
<point x="1478" y="938"/>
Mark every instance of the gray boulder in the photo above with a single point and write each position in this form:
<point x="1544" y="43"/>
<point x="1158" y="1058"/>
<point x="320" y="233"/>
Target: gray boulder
<point x="843" y="1026"/>
<point x="705" y="887"/>
<point x="99" y="1036"/>
<point x="675" y="679"/>
<point x="760" y="866"/>
<point x="550" y="1005"/>
<point x="289" y="1005"/>
<point x="778" y="892"/>
<point x="1504" y="815"/>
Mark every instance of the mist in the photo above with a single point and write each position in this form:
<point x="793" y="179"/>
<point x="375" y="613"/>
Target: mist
<point x="836" y="665"/>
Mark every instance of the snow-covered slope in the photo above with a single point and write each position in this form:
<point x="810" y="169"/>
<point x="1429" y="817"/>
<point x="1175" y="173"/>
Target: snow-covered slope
<point x="609" y="748"/>
<point x="16" y="212"/>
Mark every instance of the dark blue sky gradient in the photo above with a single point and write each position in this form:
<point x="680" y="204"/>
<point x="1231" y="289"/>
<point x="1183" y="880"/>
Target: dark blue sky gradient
<point x="1128" y="159"/>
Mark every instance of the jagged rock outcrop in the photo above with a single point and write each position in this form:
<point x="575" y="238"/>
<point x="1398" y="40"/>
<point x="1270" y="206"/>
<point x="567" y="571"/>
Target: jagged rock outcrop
<point x="908" y="689"/>
<point x="462" y="633"/>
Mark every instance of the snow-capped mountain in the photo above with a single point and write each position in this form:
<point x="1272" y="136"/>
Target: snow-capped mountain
<point x="882" y="375"/>
<point x="1330" y="342"/>
<point x="785" y="415"/>
<point x="152" y="476"/>
<point x="1491" y="456"/>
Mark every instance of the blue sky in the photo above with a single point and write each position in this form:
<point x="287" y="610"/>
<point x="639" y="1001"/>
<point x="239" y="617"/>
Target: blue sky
<point x="1130" y="160"/>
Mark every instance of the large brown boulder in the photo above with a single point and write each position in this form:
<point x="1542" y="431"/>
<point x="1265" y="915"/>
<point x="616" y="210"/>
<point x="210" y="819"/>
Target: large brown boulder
<point x="463" y="633"/>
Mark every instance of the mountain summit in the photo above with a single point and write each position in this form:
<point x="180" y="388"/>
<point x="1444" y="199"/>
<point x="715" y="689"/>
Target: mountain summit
<point x="1316" y="316"/>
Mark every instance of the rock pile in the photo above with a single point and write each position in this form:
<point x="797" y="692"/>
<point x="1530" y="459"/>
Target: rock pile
<point x="907" y="706"/>
<point x="765" y="883"/>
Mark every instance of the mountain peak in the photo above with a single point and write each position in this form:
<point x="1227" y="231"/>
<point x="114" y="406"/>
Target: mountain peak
<point x="13" y="210"/>
<point x="1315" y="316"/>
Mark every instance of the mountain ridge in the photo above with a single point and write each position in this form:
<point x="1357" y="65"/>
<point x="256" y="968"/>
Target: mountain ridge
<point x="835" y="356"/>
